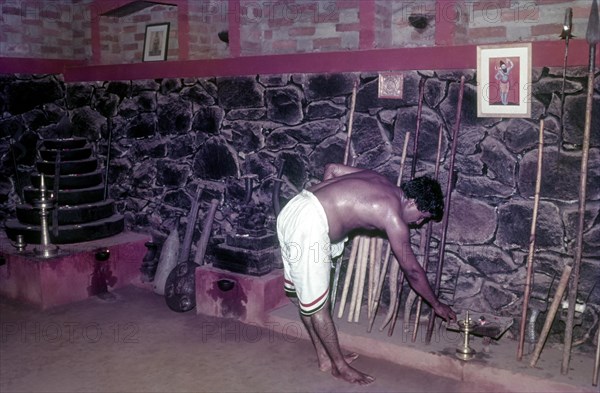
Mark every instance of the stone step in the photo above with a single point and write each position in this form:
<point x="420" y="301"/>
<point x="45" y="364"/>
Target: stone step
<point x="68" y="197"/>
<point x="68" y="167"/>
<point x="68" y="215"/>
<point x="74" y="181"/>
<point x="80" y="153"/>
<point x="67" y="234"/>
<point x="64" y="143"/>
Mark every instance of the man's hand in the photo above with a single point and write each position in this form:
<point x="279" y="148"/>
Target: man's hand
<point x="445" y="312"/>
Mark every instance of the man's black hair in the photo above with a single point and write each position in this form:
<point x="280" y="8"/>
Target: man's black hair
<point x="427" y="194"/>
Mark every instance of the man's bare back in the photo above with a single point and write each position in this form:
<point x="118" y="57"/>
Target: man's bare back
<point x="358" y="199"/>
<point x="355" y="198"/>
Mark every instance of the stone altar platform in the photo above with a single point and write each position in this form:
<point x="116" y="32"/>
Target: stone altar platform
<point x="76" y="273"/>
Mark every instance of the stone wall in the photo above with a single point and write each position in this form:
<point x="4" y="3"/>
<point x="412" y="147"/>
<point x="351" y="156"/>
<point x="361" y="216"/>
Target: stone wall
<point x="171" y="135"/>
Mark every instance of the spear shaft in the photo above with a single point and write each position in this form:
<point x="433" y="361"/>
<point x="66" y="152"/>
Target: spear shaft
<point x="593" y="37"/>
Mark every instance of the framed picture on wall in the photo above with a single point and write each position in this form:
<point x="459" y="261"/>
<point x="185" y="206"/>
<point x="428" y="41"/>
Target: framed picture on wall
<point x="156" y="42"/>
<point x="504" y="80"/>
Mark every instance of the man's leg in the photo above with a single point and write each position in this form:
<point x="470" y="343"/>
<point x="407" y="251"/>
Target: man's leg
<point x="322" y="331"/>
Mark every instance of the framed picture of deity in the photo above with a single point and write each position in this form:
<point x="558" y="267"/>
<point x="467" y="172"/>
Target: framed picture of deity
<point x="156" y="42"/>
<point x="504" y="80"/>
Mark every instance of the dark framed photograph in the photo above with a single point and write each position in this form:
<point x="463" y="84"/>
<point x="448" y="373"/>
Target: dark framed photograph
<point x="156" y="42"/>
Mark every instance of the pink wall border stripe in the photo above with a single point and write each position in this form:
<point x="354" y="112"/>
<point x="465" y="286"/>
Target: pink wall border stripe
<point x="545" y="54"/>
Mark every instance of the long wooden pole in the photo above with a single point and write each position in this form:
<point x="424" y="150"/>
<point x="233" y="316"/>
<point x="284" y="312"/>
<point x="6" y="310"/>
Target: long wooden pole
<point x="363" y="274"/>
<point x="428" y="231"/>
<point x="593" y="37"/>
<point x="438" y="275"/>
<point x="379" y="287"/>
<point x="388" y="252"/>
<point x="566" y="35"/>
<point x="350" y="121"/>
<point x="413" y="170"/>
<point x="394" y="277"/>
<point x="184" y="255"/>
<point x="206" y="231"/>
<point x="560" y="291"/>
<point x="597" y="361"/>
<point x="347" y="279"/>
<point x="413" y="167"/>
<point x="357" y="276"/>
<point x="372" y="262"/>
<point x="376" y="273"/>
<point x="338" y="262"/>
<point x="528" y="278"/>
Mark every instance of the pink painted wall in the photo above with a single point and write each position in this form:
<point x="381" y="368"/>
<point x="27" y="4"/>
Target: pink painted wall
<point x="348" y="34"/>
<point x="122" y="38"/>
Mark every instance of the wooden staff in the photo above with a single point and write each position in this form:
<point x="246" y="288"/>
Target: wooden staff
<point x="593" y="37"/>
<point x="338" y="263"/>
<point x="413" y="167"/>
<point x="363" y="274"/>
<point x="560" y="290"/>
<point x="386" y="261"/>
<point x="378" y="246"/>
<point x="371" y="276"/>
<point x="438" y="275"/>
<point x="597" y="362"/>
<point x="205" y="235"/>
<point x="189" y="228"/>
<point x="413" y="170"/>
<point x="350" y="268"/>
<point x="566" y="35"/>
<point x="360" y="261"/>
<point x="386" y="258"/>
<point x="350" y="121"/>
<point x="428" y="231"/>
<point x="393" y="276"/>
<point x="412" y="295"/>
<point x="528" y="278"/>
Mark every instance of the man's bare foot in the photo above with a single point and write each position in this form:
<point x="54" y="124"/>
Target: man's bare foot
<point x="325" y="365"/>
<point x="353" y="376"/>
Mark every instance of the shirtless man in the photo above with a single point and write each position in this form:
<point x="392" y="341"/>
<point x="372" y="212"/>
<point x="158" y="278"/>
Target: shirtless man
<point x="313" y="227"/>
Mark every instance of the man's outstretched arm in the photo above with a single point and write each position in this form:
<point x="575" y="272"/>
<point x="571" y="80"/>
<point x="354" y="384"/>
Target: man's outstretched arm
<point x="416" y="276"/>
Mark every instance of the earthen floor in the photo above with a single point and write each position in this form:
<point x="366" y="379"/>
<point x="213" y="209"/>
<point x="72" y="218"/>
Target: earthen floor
<point x="132" y="342"/>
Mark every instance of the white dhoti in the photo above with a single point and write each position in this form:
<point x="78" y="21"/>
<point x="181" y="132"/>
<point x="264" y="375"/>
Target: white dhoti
<point x="306" y="251"/>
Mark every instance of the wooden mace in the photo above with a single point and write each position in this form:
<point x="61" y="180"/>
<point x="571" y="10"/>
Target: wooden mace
<point x="560" y="291"/>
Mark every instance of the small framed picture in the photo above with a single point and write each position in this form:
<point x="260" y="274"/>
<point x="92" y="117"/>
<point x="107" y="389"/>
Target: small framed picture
<point x="156" y="42"/>
<point x="504" y="80"/>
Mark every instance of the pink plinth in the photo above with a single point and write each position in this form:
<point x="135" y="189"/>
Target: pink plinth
<point x="74" y="274"/>
<point x="249" y="300"/>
